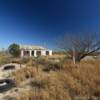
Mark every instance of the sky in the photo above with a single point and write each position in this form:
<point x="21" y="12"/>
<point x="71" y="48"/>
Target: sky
<point x="41" y="22"/>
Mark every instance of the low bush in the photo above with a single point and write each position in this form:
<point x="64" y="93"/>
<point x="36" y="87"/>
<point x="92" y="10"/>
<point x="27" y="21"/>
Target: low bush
<point x="23" y="74"/>
<point x="52" y="67"/>
<point x="40" y="60"/>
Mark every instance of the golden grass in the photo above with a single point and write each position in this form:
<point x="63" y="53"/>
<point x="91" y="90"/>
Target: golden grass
<point x="4" y="58"/>
<point x="81" y="80"/>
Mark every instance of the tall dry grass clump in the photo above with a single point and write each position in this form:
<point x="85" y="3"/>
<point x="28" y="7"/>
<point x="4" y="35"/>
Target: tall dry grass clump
<point x="83" y="79"/>
<point x="5" y="58"/>
<point x="23" y="74"/>
<point x="68" y="83"/>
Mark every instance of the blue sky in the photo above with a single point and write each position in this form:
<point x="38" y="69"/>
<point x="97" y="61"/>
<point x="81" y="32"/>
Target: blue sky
<point x="41" y="22"/>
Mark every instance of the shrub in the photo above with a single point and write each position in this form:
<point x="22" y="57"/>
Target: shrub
<point x="14" y="50"/>
<point x="40" y="60"/>
<point x="52" y="67"/>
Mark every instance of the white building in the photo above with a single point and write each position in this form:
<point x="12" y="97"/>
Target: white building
<point x="34" y="51"/>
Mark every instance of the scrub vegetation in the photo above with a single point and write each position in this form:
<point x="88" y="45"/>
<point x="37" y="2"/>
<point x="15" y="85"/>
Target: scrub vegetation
<point x="44" y="79"/>
<point x="59" y="81"/>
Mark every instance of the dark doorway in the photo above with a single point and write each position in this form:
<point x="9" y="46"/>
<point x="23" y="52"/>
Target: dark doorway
<point x="47" y="52"/>
<point x="26" y="53"/>
<point x="32" y="53"/>
<point x="38" y="53"/>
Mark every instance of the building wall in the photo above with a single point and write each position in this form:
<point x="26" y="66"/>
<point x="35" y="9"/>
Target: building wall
<point x="35" y="53"/>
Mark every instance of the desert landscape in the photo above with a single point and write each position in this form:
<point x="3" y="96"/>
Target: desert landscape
<point x="50" y="78"/>
<point x="49" y="49"/>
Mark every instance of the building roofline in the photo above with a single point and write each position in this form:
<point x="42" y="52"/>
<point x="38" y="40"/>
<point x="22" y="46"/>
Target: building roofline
<point x="32" y="47"/>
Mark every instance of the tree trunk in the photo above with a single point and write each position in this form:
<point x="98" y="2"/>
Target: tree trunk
<point x="76" y="59"/>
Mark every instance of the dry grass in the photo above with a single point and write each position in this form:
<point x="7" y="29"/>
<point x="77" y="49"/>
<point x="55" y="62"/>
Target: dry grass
<point x="71" y="81"/>
<point x="4" y="58"/>
<point x="23" y="74"/>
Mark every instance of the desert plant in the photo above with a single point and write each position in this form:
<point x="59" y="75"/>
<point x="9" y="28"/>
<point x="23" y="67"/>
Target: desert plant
<point x="79" y="47"/>
<point x="14" y="50"/>
<point x="52" y="67"/>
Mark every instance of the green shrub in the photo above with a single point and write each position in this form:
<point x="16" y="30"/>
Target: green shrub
<point x="14" y="50"/>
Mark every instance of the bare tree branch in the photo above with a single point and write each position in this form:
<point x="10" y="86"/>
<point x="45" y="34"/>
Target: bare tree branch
<point x="80" y="46"/>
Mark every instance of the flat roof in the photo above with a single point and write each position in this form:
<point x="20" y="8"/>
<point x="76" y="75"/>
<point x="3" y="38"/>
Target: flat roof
<point x="32" y="47"/>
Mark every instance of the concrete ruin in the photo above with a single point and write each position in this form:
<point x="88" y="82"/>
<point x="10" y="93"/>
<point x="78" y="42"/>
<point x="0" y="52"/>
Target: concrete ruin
<point x="34" y="51"/>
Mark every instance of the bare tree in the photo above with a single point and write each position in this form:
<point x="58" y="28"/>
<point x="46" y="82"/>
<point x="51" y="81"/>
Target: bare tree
<point x="80" y="46"/>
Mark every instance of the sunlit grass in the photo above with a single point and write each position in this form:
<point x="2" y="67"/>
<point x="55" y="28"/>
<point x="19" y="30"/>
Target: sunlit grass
<point x="70" y="81"/>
